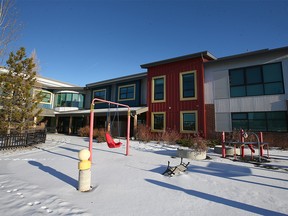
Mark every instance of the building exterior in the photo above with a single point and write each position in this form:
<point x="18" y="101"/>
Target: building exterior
<point x="248" y="91"/>
<point x="175" y="94"/>
<point x="58" y="97"/>
<point x="129" y="90"/>
<point x="189" y="94"/>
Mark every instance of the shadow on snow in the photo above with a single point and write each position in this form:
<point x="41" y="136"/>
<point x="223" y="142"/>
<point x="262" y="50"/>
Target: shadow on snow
<point x="65" y="178"/>
<point x="217" y="199"/>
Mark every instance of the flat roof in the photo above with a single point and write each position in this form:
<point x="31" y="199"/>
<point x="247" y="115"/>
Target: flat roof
<point x="64" y="88"/>
<point x="205" y="54"/>
<point x="247" y="54"/>
<point x="119" y="79"/>
<point x="53" y="83"/>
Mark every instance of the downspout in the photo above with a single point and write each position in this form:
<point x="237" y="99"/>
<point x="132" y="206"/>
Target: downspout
<point x="204" y="107"/>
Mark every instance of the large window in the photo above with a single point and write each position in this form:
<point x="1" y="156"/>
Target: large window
<point x="46" y="96"/>
<point x="260" y="121"/>
<point x="188" y="121"/>
<point x="158" y="121"/>
<point x="158" y="89"/>
<point x="257" y="80"/>
<point x="126" y="92"/>
<point x="100" y="93"/>
<point x="69" y="99"/>
<point x="188" y="87"/>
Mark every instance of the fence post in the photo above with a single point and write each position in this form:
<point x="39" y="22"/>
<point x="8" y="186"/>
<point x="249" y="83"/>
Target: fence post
<point x="27" y="137"/>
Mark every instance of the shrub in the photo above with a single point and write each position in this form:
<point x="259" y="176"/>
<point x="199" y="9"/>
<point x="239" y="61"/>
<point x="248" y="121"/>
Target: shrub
<point x="84" y="131"/>
<point x="170" y="136"/>
<point x="213" y="142"/>
<point x="143" y="133"/>
<point x="101" y="135"/>
<point x="98" y="134"/>
<point x="194" y="141"/>
<point x="233" y="136"/>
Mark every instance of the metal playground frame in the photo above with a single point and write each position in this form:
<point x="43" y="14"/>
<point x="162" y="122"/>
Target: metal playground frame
<point x="92" y="124"/>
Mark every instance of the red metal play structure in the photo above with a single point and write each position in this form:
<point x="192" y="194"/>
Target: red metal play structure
<point x="111" y="143"/>
<point x="260" y="144"/>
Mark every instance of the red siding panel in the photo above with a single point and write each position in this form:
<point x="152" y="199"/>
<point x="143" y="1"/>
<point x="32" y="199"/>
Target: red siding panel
<point x="172" y="106"/>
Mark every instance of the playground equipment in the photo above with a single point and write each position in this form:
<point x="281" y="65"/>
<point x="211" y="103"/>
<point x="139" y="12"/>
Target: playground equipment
<point x="110" y="141"/>
<point x="244" y="135"/>
<point x="176" y="170"/>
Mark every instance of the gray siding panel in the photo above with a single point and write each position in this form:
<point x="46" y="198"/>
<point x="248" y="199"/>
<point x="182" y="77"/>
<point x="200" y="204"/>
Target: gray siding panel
<point x="221" y="85"/>
<point x="223" y="122"/>
<point x="251" y="104"/>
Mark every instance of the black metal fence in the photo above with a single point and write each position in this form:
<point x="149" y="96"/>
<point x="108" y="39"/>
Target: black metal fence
<point x="15" y="140"/>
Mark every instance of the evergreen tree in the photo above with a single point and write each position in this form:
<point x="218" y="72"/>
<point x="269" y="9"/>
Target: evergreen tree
<point x="19" y="102"/>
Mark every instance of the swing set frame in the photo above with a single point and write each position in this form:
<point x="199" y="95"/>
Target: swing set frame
<point x="92" y="123"/>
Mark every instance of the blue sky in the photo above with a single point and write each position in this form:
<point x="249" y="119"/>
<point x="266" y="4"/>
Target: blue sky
<point x="86" y="41"/>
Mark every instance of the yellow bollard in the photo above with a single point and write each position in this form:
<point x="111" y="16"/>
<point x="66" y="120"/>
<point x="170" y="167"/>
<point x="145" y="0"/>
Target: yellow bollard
<point x="84" y="180"/>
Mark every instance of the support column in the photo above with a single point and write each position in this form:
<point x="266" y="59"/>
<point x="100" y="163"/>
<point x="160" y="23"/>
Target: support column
<point x="135" y="125"/>
<point x="87" y="122"/>
<point x="70" y="125"/>
<point x="56" y="125"/>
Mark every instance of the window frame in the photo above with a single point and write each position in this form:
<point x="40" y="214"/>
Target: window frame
<point x="182" y="86"/>
<point x="61" y="97"/>
<point x="153" y="89"/>
<point x="182" y="121"/>
<point x="98" y="90"/>
<point x="127" y="86"/>
<point x="153" y="121"/>
<point x="36" y="91"/>
<point x="267" y="120"/>
<point x="261" y="84"/>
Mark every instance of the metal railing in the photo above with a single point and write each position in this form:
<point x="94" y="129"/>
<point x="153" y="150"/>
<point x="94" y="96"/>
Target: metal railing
<point x="28" y="138"/>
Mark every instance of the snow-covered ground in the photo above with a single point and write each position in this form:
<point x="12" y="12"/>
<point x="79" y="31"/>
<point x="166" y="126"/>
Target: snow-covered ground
<point x="43" y="181"/>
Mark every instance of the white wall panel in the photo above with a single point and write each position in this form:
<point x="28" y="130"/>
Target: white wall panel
<point x="221" y="85"/>
<point x="222" y="105"/>
<point x="251" y="104"/>
<point x="223" y="122"/>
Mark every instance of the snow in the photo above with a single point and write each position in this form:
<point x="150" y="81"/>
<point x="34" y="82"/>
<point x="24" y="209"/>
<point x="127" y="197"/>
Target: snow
<point x="43" y="181"/>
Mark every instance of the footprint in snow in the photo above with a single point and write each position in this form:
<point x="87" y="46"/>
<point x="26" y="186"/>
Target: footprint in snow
<point x="47" y="209"/>
<point x="11" y="191"/>
<point x="33" y="203"/>
<point x="20" y="195"/>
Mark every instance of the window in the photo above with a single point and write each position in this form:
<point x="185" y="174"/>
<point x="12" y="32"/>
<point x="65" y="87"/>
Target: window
<point x="101" y="94"/>
<point x="260" y="121"/>
<point x="256" y="80"/>
<point x="158" y="89"/>
<point x="188" y="86"/>
<point x="188" y="121"/>
<point x="158" y="121"/>
<point x="46" y="96"/>
<point x="69" y="99"/>
<point x="126" y="92"/>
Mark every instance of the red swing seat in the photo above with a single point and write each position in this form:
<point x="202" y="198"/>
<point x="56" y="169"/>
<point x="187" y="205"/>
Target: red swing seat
<point x="111" y="143"/>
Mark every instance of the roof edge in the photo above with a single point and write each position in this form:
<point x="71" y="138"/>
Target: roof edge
<point x="194" y="55"/>
<point x="124" y="78"/>
<point x="256" y="52"/>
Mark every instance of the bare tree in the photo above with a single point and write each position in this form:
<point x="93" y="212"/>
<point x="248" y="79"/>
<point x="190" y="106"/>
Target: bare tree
<point x="36" y="61"/>
<point x="8" y="26"/>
